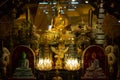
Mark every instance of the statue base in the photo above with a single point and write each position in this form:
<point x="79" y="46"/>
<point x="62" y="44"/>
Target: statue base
<point x="25" y="73"/>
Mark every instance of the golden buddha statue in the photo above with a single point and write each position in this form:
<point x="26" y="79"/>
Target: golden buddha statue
<point x="59" y="22"/>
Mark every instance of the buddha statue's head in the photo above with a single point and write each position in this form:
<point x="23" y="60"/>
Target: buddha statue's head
<point x="59" y="8"/>
<point x="94" y="55"/>
<point x="23" y="55"/>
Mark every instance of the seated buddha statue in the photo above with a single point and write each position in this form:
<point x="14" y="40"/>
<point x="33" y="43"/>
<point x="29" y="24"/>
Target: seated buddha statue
<point x="95" y="62"/>
<point x="24" y="62"/>
<point x="94" y="70"/>
<point x="23" y="70"/>
<point x="59" y="22"/>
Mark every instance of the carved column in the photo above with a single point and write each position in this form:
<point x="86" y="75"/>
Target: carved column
<point x="99" y="33"/>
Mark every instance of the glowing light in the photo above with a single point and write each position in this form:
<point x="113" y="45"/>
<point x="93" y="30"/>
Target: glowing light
<point x="72" y="64"/>
<point x="43" y="2"/>
<point x="49" y="27"/>
<point x="44" y="64"/>
<point x="86" y="2"/>
<point x="119" y="21"/>
<point x="73" y="0"/>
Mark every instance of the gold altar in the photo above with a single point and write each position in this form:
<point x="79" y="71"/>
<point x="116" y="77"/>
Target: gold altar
<point x="60" y="41"/>
<point x="59" y="49"/>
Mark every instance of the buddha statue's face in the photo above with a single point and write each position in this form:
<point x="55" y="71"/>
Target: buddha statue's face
<point x="59" y="9"/>
<point x="23" y="55"/>
<point x="93" y="55"/>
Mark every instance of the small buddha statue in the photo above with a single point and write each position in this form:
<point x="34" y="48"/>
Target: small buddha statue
<point x="23" y="70"/>
<point x="95" y="62"/>
<point x="24" y="62"/>
<point x="94" y="70"/>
